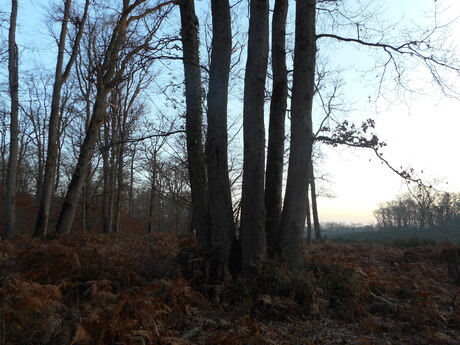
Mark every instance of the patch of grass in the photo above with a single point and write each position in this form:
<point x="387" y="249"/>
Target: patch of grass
<point x="413" y="242"/>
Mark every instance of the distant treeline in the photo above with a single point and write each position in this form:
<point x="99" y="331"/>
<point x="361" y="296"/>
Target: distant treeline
<point x="338" y="227"/>
<point x="420" y="208"/>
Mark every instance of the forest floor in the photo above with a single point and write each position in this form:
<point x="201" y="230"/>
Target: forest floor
<point x="132" y="289"/>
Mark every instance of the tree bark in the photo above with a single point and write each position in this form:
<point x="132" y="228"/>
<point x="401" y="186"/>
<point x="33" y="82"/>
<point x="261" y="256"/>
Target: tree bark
<point x="314" y="203"/>
<point x="119" y="190"/>
<point x="86" y="203"/>
<point x="153" y="197"/>
<point x="294" y="211"/>
<point x="278" y="105"/>
<point x="309" y="227"/>
<point x="41" y="225"/>
<point x="106" y="182"/>
<point x="13" y="74"/>
<point x="220" y="200"/>
<point x="194" y="119"/>
<point x="253" y="239"/>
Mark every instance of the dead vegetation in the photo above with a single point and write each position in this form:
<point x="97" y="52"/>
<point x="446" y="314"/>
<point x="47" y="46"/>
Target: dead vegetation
<point x="132" y="289"/>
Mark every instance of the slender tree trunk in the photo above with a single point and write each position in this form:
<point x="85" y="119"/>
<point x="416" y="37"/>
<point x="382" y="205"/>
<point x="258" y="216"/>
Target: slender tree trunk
<point x="58" y="159"/>
<point x="86" y="204"/>
<point x="154" y="201"/>
<point x="153" y="192"/>
<point x="119" y="193"/>
<point x="193" y="124"/>
<point x="131" y="184"/>
<point x="106" y="223"/>
<point x="3" y="160"/>
<point x="314" y="203"/>
<point x="252" y="234"/>
<point x="69" y="206"/>
<point x="108" y="77"/>
<point x="220" y="200"/>
<point x="159" y="207"/>
<point x="83" y="210"/>
<point x="112" y="186"/>
<point x="309" y="227"/>
<point x="39" y="180"/>
<point x="275" y="153"/>
<point x="41" y="225"/>
<point x="294" y="211"/>
<point x="13" y="74"/>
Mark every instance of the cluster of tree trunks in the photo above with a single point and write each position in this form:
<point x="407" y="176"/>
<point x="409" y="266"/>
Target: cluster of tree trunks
<point x="280" y="232"/>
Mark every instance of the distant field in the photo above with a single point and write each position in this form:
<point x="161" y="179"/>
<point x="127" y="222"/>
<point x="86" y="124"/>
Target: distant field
<point x="401" y="237"/>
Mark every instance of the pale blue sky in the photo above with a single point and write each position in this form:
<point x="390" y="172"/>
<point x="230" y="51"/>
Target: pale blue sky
<point x="421" y="133"/>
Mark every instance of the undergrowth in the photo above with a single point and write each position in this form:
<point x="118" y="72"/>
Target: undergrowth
<point x="158" y="289"/>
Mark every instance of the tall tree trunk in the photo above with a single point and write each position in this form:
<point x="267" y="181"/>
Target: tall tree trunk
<point x="314" y="202"/>
<point x="119" y="190"/>
<point x="253" y="239"/>
<point x="69" y="206"/>
<point x="309" y="227"/>
<point x="39" y="180"/>
<point x="107" y="78"/>
<point x="86" y="203"/>
<point x="194" y="119"/>
<point x="153" y="196"/>
<point x="131" y="184"/>
<point x="41" y="225"/>
<point x="106" y="191"/>
<point x="220" y="200"/>
<point x="294" y="211"/>
<point x="13" y="74"/>
<point x="278" y="105"/>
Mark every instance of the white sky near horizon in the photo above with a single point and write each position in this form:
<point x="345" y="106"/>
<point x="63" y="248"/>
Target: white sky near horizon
<point x="422" y="133"/>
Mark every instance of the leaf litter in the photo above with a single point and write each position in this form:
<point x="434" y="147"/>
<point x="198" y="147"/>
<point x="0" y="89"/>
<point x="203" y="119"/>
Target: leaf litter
<point x="155" y="289"/>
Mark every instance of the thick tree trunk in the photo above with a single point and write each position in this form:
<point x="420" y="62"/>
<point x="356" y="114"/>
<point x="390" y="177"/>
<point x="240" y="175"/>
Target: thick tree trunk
<point x="295" y="206"/>
<point x="252" y="234"/>
<point x="278" y="105"/>
<point x="220" y="200"/>
<point x="41" y="225"/>
<point x="13" y="74"/>
<point x="194" y="119"/>
<point x="314" y="203"/>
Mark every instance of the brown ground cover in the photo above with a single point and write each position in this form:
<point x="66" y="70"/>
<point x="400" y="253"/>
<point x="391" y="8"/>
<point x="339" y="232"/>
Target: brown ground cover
<point x="133" y="289"/>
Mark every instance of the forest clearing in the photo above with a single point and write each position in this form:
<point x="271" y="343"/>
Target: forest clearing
<point x="155" y="289"/>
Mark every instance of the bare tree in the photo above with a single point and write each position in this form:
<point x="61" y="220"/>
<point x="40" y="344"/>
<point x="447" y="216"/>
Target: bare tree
<point x="220" y="200"/>
<point x="294" y="211"/>
<point x="13" y="62"/>
<point x="278" y="105"/>
<point x="194" y="119"/>
<point x="110" y="73"/>
<point x="252" y="233"/>
<point x="41" y="226"/>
